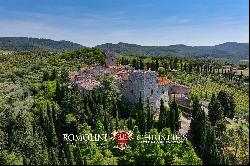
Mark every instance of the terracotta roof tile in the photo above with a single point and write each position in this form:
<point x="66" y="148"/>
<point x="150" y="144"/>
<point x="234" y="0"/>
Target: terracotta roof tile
<point x="164" y="80"/>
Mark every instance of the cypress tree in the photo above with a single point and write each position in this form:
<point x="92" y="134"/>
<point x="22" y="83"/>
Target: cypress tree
<point x="51" y="135"/>
<point x="162" y="116"/>
<point x="53" y="159"/>
<point x="141" y="65"/>
<point x="215" y="111"/>
<point x="174" y="107"/>
<point x="62" y="158"/>
<point x="122" y="61"/>
<point x="130" y="123"/>
<point x="53" y="75"/>
<point x="116" y="121"/>
<point x="148" y="65"/>
<point x="77" y="156"/>
<point x="141" y="116"/>
<point x="185" y="67"/>
<point x="152" y="66"/>
<point x="172" y="121"/>
<point x="64" y="76"/>
<point x="198" y="127"/>
<point x="58" y="96"/>
<point x="45" y="76"/>
<point x="156" y="65"/>
<point x="149" y="117"/>
<point x="68" y="155"/>
<point x="212" y="155"/>
<point x="228" y="104"/>
<point x="106" y="123"/>
<point x="134" y="63"/>
<point x="175" y="63"/>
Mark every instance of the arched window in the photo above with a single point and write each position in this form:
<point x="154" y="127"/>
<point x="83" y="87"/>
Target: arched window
<point x="152" y="91"/>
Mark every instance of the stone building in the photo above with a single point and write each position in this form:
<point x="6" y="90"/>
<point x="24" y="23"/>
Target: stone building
<point x="179" y="93"/>
<point x="110" y="59"/>
<point x="147" y="85"/>
<point x="132" y="83"/>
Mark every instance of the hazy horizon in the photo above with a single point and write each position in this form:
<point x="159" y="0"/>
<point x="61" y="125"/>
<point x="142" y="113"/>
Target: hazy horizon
<point x="142" y="22"/>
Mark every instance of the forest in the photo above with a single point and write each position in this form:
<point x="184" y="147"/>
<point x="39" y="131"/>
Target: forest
<point x="37" y="106"/>
<point x="230" y="51"/>
<point x="36" y="44"/>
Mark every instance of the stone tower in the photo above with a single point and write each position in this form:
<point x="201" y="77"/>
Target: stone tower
<point x="142" y="83"/>
<point x="110" y="59"/>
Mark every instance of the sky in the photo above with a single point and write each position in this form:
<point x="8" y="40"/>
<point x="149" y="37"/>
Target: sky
<point x="144" y="22"/>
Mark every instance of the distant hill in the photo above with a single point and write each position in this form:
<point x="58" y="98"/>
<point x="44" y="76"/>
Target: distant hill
<point x="30" y="44"/>
<point x="229" y="50"/>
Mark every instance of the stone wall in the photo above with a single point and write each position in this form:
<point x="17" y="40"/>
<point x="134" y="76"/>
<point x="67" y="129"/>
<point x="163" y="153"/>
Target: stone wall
<point x="179" y="89"/>
<point x="144" y="83"/>
<point x="132" y="83"/>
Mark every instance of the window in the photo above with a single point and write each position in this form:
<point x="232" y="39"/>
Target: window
<point x="163" y="92"/>
<point x="132" y="91"/>
<point x="152" y="92"/>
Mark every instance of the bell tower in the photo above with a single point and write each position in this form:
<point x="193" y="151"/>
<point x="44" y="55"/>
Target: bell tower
<point x="110" y="59"/>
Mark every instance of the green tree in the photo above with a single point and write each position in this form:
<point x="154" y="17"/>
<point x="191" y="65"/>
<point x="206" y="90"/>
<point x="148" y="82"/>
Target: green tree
<point x="228" y="104"/>
<point x="53" y="159"/>
<point x="53" y="75"/>
<point x="149" y="116"/>
<point x="157" y="65"/>
<point x="161" y="71"/>
<point x="45" y="76"/>
<point x="198" y="127"/>
<point x="212" y="155"/>
<point x="141" y="116"/>
<point x="215" y="111"/>
<point x="162" y="116"/>
<point x="141" y="65"/>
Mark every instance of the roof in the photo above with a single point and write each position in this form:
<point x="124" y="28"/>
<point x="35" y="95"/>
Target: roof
<point x="72" y="75"/>
<point x="164" y="81"/>
<point x="89" y="83"/>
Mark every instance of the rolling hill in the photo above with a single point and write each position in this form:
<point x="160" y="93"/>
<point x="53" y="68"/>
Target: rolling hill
<point x="229" y="50"/>
<point x="30" y="44"/>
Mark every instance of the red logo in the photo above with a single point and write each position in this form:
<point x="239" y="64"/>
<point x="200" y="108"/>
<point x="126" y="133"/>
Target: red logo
<point x="121" y="138"/>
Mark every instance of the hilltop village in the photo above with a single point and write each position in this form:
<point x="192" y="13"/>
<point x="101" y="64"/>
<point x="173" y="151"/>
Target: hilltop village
<point x="132" y="83"/>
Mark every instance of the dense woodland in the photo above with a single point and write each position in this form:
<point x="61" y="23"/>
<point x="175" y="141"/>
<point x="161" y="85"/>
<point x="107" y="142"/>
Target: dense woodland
<point x="229" y="51"/>
<point x="36" y="44"/>
<point x="37" y="106"/>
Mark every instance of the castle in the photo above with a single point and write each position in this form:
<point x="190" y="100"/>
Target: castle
<point x="132" y="83"/>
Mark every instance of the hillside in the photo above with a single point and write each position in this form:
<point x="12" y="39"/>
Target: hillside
<point x="229" y="50"/>
<point x="30" y="44"/>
